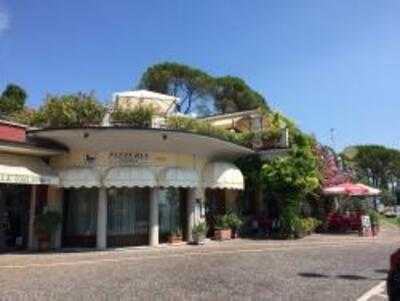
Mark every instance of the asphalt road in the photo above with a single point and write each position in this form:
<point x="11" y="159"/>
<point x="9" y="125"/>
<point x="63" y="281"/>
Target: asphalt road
<point x="321" y="267"/>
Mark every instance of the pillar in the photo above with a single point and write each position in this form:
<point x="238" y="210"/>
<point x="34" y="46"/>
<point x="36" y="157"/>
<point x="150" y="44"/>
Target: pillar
<point x="32" y="213"/>
<point x="101" y="239"/>
<point x="153" y="218"/>
<point x="200" y="205"/>
<point x="55" y="203"/>
<point x="191" y="205"/>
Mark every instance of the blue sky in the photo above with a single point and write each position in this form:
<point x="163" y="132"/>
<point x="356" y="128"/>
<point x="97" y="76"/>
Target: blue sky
<point x="325" y="64"/>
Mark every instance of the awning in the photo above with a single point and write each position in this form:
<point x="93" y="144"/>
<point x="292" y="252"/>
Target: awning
<point x="222" y="175"/>
<point x="130" y="176"/>
<point x="178" y="177"/>
<point x="79" y="177"/>
<point x="16" y="169"/>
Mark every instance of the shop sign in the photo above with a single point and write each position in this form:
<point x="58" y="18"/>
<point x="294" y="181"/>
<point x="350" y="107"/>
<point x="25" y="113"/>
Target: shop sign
<point x="18" y="179"/>
<point x="129" y="158"/>
<point x="27" y="179"/>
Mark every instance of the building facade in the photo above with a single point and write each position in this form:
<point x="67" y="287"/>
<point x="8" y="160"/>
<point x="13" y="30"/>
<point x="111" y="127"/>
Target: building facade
<point x="115" y="185"/>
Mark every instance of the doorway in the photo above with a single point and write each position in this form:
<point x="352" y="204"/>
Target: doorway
<point x="14" y="216"/>
<point x="215" y="206"/>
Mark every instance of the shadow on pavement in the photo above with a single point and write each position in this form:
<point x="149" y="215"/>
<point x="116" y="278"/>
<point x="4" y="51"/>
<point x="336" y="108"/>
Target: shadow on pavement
<point x="343" y="277"/>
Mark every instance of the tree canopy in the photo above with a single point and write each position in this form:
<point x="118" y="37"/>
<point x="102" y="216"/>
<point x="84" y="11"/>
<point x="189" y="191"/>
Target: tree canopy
<point x="375" y="165"/>
<point x="187" y="83"/>
<point x="12" y="99"/>
<point x="200" y="91"/>
<point x="232" y="94"/>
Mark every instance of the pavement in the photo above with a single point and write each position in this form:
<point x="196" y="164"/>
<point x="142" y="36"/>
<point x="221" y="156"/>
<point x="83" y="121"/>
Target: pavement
<point x="318" y="267"/>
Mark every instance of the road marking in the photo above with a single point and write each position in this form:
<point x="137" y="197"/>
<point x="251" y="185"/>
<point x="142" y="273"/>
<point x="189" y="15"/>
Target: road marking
<point x="375" y="291"/>
<point x="204" y="252"/>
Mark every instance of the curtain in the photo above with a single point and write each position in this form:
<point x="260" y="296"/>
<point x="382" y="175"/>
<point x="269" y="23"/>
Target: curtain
<point x="169" y="211"/>
<point x="82" y="211"/>
<point x="128" y="211"/>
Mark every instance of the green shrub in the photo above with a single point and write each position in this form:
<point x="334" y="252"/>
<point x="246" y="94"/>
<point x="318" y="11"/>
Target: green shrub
<point x="311" y="224"/>
<point x="229" y="220"/>
<point x="48" y="222"/>
<point x="234" y="221"/>
<point x="374" y="217"/>
<point x="73" y="110"/>
<point x="140" y="116"/>
<point x="200" y="229"/>
<point x="204" y="128"/>
<point x="222" y="222"/>
<point x="288" y="223"/>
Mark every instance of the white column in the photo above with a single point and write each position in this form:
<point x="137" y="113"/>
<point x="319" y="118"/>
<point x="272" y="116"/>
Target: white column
<point x="102" y="219"/>
<point x="55" y="203"/>
<point x="191" y="205"/>
<point x="153" y="219"/>
<point x="200" y="208"/>
<point x="32" y="213"/>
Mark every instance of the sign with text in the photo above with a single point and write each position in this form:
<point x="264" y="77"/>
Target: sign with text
<point x="129" y="158"/>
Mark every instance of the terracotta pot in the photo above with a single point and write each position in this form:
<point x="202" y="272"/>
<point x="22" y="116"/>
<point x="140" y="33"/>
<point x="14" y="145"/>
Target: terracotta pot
<point x="223" y="234"/>
<point x="43" y="242"/>
<point x="44" y="245"/>
<point x="235" y="234"/>
<point x="199" y="238"/>
<point x="174" y="239"/>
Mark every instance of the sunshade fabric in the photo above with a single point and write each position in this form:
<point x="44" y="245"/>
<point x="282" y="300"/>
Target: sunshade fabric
<point x="351" y="189"/>
<point x="79" y="177"/>
<point x="222" y="175"/>
<point x="130" y="176"/>
<point x="178" y="177"/>
<point x="15" y="169"/>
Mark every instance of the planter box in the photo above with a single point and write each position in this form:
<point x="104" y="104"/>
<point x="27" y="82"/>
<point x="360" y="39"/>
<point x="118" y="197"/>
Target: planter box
<point x="223" y="234"/>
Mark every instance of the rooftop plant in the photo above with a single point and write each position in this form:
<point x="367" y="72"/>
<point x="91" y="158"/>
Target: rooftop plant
<point x="74" y="110"/>
<point x="140" y="116"/>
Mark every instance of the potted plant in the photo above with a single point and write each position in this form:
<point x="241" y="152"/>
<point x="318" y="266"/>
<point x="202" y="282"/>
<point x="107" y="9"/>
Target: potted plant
<point x="175" y="236"/>
<point x="45" y="225"/>
<point x="199" y="233"/>
<point x="375" y="222"/>
<point x="222" y="230"/>
<point x="234" y="222"/>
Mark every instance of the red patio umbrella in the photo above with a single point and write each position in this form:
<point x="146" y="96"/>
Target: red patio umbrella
<point x="351" y="189"/>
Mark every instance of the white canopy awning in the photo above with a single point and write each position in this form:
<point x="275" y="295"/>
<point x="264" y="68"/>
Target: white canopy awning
<point x="130" y="176"/>
<point x="16" y="169"/>
<point x="79" y="177"/>
<point x="222" y="175"/>
<point x="178" y="177"/>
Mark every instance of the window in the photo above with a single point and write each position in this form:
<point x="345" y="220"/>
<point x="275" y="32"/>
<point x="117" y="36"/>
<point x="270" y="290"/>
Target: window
<point x="128" y="211"/>
<point x="81" y="212"/>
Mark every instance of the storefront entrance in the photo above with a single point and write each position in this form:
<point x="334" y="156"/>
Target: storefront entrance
<point x="215" y="206"/>
<point x="14" y="216"/>
<point x="127" y="216"/>
<point x="172" y="213"/>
